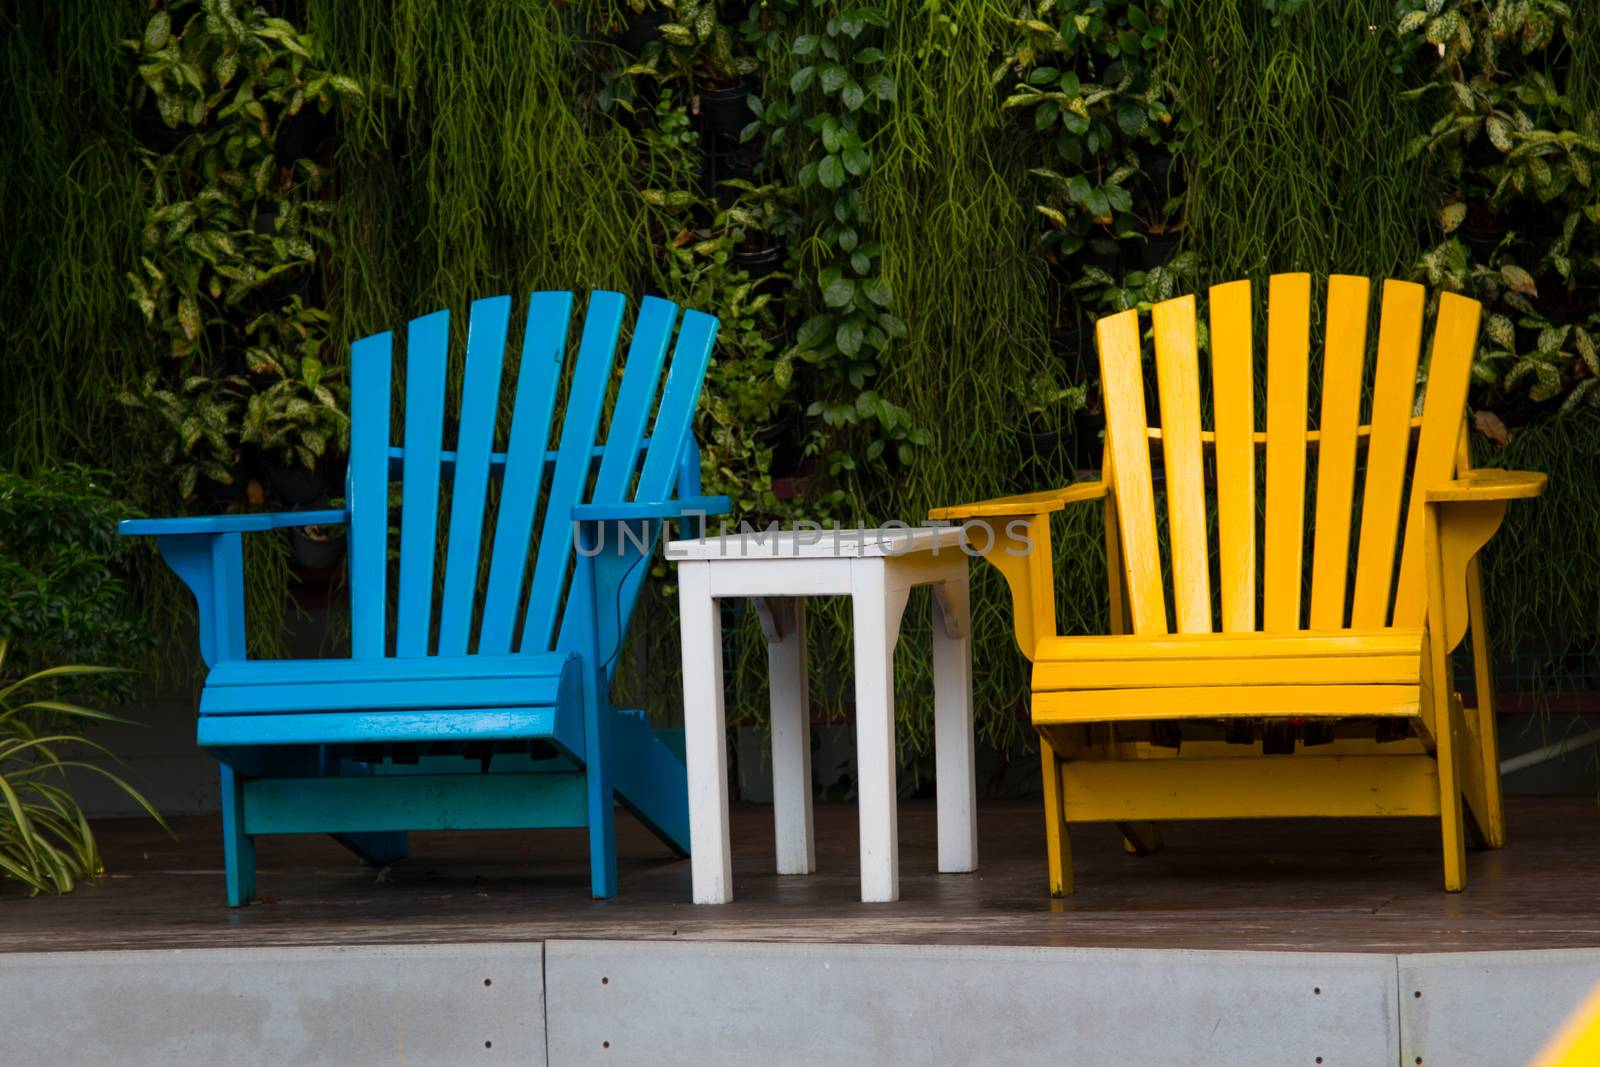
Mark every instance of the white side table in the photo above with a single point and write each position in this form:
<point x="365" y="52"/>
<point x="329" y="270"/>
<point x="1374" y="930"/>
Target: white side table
<point x="877" y="569"/>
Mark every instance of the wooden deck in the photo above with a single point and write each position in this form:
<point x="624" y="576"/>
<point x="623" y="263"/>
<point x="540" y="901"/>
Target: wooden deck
<point x="1342" y="886"/>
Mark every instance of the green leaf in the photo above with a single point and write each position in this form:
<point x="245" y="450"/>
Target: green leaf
<point x="831" y="172"/>
<point x="877" y="291"/>
<point x="1130" y="117"/>
<point x="856" y="160"/>
<point x="1098" y="205"/>
<point x="882" y="87"/>
<point x="1501" y="332"/>
<point x="833" y="77"/>
<point x="815" y="330"/>
<point x="802" y="79"/>
<point x="853" y="95"/>
<point x="805" y="44"/>
<point x="1499" y="133"/>
<point x="838" y="292"/>
<point x="157" y="31"/>
<point x="1586" y="349"/>
<point x="1518" y="280"/>
<point x="849" y="336"/>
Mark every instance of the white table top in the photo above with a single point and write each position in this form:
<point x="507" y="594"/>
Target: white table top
<point x="821" y="544"/>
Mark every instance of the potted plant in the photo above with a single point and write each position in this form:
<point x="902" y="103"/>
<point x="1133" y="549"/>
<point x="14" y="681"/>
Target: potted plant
<point x="298" y="419"/>
<point x="762" y="222"/>
<point x="317" y="548"/>
<point x="1044" y="433"/>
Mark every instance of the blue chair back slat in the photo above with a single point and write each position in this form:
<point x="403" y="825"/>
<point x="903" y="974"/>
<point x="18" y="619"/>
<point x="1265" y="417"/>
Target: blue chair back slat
<point x="480" y="403"/>
<point x="678" y="402"/>
<point x="427" y="349"/>
<point x="590" y="378"/>
<point x="652" y="332"/>
<point x="544" y="346"/>
<point x="367" y="491"/>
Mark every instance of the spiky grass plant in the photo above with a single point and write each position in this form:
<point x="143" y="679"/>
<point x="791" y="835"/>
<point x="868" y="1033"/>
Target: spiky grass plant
<point x="46" y="843"/>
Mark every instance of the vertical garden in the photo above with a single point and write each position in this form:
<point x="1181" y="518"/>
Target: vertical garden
<point x="906" y="215"/>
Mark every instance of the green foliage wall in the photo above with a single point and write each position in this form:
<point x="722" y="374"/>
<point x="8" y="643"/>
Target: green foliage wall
<point x="506" y="146"/>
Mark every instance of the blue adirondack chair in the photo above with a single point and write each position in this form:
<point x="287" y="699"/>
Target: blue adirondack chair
<point x="482" y="702"/>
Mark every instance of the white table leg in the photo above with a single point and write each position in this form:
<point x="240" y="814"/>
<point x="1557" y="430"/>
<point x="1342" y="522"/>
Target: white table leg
<point x="784" y="621"/>
<point x="877" y="625"/>
<point x="705" y="736"/>
<point x="952" y="728"/>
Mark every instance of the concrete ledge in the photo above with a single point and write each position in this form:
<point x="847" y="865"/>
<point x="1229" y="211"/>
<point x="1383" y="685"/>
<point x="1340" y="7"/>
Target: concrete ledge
<point x="399" y="1004"/>
<point x="655" y="1003"/>
<point x="627" y="1002"/>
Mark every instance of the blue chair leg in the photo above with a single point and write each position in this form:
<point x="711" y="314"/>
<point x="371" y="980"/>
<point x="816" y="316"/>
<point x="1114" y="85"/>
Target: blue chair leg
<point x="602" y="801"/>
<point x="238" y="847"/>
<point x="377" y="848"/>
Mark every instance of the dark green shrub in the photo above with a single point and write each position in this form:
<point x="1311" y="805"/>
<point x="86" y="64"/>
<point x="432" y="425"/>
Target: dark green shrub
<point x="62" y="598"/>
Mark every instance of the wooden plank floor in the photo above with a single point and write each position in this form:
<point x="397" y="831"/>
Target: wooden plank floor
<point x="1355" y="886"/>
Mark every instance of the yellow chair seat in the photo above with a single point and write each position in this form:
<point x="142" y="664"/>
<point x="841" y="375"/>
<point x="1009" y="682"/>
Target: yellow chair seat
<point x="1132" y="677"/>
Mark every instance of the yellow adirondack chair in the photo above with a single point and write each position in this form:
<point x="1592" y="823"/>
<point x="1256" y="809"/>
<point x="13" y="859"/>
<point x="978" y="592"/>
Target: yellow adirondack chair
<point x="1338" y="705"/>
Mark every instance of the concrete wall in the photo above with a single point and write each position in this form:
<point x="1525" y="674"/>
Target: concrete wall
<point x="611" y="1002"/>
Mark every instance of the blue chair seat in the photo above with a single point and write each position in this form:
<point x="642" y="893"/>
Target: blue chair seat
<point x="329" y="702"/>
<point x="254" y="687"/>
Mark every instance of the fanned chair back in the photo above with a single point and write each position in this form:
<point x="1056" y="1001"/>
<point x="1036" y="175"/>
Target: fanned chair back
<point x="1265" y="590"/>
<point x="508" y="556"/>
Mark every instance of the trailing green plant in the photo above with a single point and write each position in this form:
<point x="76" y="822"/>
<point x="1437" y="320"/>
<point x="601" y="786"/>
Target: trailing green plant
<point x="61" y="576"/>
<point x="45" y="841"/>
<point x="835" y="101"/>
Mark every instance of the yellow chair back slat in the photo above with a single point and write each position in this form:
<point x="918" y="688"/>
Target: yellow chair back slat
<point x="1288" y="349"/>
<point x="1449" y="371"/>
<point x="1122" y="384"/>
<point x="1233" y="401"/>
<point x="1343" y="361"/>
<point x="1394" y="381"/>
<point x="1177" y="374"/>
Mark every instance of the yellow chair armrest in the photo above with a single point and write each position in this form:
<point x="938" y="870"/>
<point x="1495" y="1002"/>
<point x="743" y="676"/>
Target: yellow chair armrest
<point x="1042" y="503"/>
<point x="1489" y="484"/>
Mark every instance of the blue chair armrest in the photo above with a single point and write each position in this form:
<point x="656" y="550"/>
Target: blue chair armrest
<point x="220" y="524"/>
<point x="632" y="511"/>
<point x="206" y="552"/>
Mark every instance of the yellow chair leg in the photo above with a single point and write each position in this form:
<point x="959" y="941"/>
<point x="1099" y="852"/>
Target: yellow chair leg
<point x="1446" y="738"/>
<point x="1493" y="818"/>
<point x="1058" y="846"/>
<point x="1140" y="838"/>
